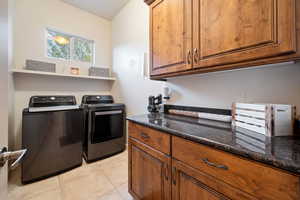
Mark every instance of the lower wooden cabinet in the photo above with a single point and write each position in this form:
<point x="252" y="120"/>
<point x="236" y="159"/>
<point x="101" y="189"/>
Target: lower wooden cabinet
<point x="182" y="173"/>
<point x="253" y="178"/>
<point x="149" y="176"/>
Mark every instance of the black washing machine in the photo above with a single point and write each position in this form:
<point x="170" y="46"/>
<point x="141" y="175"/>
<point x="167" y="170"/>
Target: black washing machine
<point x="105" y="133"/>
<point x="53" y="128"/>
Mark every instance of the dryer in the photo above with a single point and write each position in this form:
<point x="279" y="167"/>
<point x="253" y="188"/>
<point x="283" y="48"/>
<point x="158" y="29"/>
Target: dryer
<point x="105" y="133"/>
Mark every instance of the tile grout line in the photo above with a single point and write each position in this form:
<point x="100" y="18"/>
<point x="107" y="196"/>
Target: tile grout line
<point x="60" y="188"/>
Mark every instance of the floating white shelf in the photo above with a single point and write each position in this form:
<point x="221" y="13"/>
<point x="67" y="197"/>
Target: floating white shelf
<point x="23" y="71"/>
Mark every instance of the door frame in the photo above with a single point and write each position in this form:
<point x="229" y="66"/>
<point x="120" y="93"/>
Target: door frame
<point x="4" y="63"/>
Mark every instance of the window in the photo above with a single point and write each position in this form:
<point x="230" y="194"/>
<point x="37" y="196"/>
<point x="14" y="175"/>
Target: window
<point x="58" y="45"/>
<point x="69" y="47"/>
<point x="83" y="50"/>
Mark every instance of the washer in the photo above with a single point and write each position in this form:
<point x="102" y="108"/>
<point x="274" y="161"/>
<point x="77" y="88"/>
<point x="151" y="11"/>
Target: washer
<point x="53" y="128"/>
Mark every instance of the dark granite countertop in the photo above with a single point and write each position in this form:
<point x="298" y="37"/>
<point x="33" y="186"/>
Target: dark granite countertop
<point x="279" y="152"/>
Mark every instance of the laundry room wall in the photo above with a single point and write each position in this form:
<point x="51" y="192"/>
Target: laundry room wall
<point x="130" y="41"/>
<point x="11" y="90"/>
<point x="32" y="17"/>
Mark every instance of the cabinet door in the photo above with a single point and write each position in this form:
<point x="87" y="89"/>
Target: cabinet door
<point x="149" y="177"/>
<point x="188" y="188"/>
<point x="229" y="32"/>
<point x="191" y="189"/>
<point x="189" y="183"/>
<point x="170" y="36"/>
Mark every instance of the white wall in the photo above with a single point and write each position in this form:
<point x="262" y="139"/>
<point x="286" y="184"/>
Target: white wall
<point x="278" y="83"/>
<point x="130" y="35"/>
<point x="32" y="17"/>
<point x="275" y="84"/>
<point x="11" y="91"/>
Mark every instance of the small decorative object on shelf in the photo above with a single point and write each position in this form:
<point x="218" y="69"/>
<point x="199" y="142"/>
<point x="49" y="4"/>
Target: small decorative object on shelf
<point x="35" y="65"/>
<point x="267" y="119"/>
<point x="75" y="70"/>
<point x="99" y="71"/>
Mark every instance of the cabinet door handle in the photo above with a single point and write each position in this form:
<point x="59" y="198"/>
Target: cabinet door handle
<point x="167" y="172"/>
<point x="206" y="161"/>
<point x="145" y="136"/>
<point x="174" y="176"/>
<point x="196" y="55"/>
<point x="189" y="59"/>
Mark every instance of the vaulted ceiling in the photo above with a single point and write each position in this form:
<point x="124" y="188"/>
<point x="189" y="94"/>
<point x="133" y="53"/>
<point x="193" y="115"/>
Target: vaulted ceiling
<point x="103" y="8"/>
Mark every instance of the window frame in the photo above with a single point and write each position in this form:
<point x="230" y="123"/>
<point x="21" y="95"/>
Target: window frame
<point x="72" y="37"/>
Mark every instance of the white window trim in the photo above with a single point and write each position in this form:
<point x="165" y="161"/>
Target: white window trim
<point x="71" y="47"/>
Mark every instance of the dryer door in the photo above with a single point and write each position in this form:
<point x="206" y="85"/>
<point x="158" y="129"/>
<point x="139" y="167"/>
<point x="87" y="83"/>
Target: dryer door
<point x="106" y="125"/>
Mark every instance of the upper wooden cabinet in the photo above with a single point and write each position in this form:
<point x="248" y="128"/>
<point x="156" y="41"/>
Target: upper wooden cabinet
<point x="227" y="32"/>
<point x="171" y="36"/>
<point x="193" y="36"/>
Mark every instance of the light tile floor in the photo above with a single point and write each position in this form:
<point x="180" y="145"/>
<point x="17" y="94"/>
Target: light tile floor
<point x="102" y="180"/>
